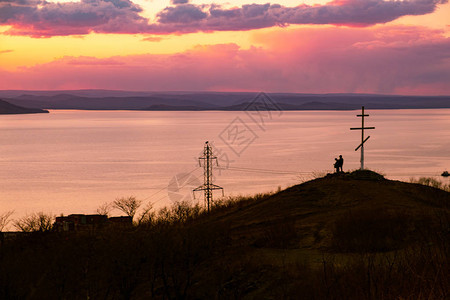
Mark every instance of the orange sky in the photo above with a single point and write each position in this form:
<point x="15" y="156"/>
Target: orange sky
<point x="51" y="53"/>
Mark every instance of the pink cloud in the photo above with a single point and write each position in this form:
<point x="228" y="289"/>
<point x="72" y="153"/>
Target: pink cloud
<point x="153" y="39"/>
<point x="320" y="60"/>
<point x="44" y="19"/>
<point x="90" y="61"/>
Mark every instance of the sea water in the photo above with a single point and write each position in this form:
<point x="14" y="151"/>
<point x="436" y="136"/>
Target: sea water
<point x="72" y="161"/>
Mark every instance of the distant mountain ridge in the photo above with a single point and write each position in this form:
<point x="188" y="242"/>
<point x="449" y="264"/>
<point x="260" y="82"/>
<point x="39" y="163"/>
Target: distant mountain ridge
<point x="8" y="108"/>
<point x="227" y="101"/>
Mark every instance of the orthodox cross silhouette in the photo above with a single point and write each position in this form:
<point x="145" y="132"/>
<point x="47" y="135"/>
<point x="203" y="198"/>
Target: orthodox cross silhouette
<point x="361" y="146"/>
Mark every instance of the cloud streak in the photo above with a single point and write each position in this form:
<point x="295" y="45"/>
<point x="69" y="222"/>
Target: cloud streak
<point x="392" y="59"/>
<point x="44" y="19"/>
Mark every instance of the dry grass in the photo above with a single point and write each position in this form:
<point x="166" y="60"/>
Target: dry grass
<point x="432" y="182"/>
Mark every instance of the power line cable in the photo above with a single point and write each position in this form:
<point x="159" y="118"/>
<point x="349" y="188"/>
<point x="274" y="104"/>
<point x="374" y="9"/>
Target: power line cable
<point x="165" y="188"/>
<point x="268" y="171"/>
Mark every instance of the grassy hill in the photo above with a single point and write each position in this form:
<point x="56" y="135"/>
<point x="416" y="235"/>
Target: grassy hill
<point x="314" y="209"/>
<point x="345" y="236"/>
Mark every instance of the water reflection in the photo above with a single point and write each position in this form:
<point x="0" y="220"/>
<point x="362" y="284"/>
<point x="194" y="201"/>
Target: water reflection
<point x="72" y="161"/>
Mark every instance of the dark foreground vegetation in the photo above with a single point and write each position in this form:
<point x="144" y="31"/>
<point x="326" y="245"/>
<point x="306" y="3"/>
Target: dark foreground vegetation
<point x="344" y="236"/>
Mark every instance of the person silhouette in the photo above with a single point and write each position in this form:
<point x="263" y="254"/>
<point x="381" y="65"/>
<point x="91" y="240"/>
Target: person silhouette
<point x="340" y="163"/>
<point x="336" y="165"/>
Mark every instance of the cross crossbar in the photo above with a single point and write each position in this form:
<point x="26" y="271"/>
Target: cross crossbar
<point x="361" y="128"/>
<point x="362" y="143"/>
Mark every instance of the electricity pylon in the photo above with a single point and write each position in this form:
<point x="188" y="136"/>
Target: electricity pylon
<point x="208" y="185"/>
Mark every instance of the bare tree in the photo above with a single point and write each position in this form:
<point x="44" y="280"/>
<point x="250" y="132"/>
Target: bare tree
<point x="35" y="222"/>
<point x="146" y="216"/>
<point x="4" y="219"/>
<point x="128" y="205"/>
<point x="104" y="209"/>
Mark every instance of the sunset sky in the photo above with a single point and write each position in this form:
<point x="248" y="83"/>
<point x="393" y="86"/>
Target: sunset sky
<point x="306" y="46"/>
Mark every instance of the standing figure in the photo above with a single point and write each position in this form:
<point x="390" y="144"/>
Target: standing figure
<point x="340" y="163"/>
<point x="336" y="165"/>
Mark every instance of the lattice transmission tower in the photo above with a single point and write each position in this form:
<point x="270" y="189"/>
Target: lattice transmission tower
<point x="208" y="185"/>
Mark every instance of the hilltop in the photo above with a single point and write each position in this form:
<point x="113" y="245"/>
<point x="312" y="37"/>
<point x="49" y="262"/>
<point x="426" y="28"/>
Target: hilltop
<point x="8" y="108"/>
<point x="344" y="236"/>
<point x="312" y="210"/>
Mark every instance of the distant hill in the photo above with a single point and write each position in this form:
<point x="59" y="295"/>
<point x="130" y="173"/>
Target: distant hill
<point x="68" y="101"/>
<point x="231" y="101"/>
<point x="8" y="108"/>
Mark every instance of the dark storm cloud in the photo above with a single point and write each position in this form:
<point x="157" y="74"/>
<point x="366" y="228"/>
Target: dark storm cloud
<point x="40" y="18"/>
<point x="184" y="13"/>
<point x="44" y="19"/>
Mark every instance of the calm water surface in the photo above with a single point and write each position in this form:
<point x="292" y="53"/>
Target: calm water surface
<point x="73" y="161"/>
